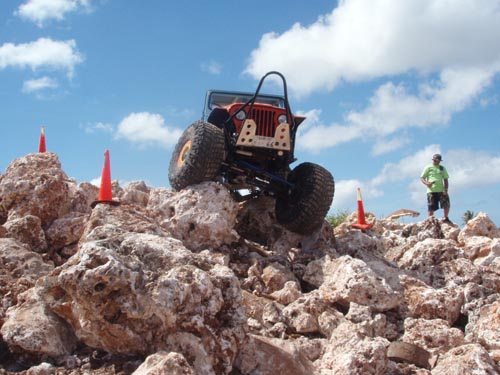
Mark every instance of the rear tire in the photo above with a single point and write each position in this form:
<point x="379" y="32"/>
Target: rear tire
<point x="304" y="209"/>
<point x="198" y="155"/>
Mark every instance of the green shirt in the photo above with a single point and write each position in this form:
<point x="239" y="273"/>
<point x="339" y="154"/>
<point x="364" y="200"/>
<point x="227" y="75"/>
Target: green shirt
<point x="435" y="174"/>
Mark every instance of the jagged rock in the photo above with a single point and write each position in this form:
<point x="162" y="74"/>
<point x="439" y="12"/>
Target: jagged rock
<point x="192" y="282"/>
<point x="33" y="328"/>
<point x="434" y="335"/>
<point x="43" y="368"/>
<point x="466" y="359"/>
<point x="163" y="363"/>
<point x="427" y="254"/>
<point x="82" y="196"/>
<point x="257" y="221"/>
<point x="460" y="271"/>
<point x="66" y="231"/>
<point x="481" y="225"/>
<point x="288" y="294"/>
<point x="202" y="216"/>
<point x="369" y="324"/>
<point x="28" y="230"/>
<point x="275" y="276"/>
<point x="136" y="192"/>
<point x="265" y="356"/>
<point x="346" y="280"/>
<point x="20" y="268"/>
<point x="303" y="315"/>
<point x="35" y="185"/>
<point x="141" y="293"/>
<point x="490" y="255"/>
<point x="486" y="328"/>
<point x="352" y="353"/>
<point x="426" y="302"/>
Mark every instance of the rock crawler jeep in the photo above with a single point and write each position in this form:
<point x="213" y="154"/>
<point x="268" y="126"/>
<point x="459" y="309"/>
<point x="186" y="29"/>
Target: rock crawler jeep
<point x="246" y="142"/>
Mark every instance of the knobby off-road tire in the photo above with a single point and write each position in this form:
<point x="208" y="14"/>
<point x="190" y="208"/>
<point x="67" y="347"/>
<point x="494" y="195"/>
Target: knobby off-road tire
<point x="308" y="202"/>
<point x="198" y="155"/>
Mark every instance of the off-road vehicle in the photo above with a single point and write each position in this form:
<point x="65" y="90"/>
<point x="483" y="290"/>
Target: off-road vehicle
<point x="246" y="141"/>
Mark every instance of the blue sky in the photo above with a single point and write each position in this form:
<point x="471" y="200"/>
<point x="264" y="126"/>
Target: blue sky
<point x="384" y="85"/>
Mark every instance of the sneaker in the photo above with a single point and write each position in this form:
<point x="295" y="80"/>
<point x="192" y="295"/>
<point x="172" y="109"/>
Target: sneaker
<point x="447" y="221"/>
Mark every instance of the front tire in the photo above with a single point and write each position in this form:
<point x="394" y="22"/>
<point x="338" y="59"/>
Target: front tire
<point x="198" y="155"/>
<point x="308" y="201"/>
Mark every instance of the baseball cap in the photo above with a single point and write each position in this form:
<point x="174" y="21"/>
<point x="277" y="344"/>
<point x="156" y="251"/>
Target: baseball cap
<point x="437" y="157"/>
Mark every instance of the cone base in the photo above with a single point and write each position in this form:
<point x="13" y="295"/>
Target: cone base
<point x="362" y="226"/>
<point x="105" y="201"/>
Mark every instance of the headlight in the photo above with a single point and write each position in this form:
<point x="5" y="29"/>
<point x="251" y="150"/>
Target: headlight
<point x="282" y="119"/>
<point x="241" y="115"/>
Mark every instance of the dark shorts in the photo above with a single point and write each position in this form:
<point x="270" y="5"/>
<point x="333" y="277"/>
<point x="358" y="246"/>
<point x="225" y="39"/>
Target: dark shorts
<point x="437" y="200"/>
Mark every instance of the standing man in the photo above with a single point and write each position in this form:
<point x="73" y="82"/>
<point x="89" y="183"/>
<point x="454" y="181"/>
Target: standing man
<point x="435" y="177"/>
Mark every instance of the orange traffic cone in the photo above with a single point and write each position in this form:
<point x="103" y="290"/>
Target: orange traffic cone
<point x="41" y="145"/>
<point x="105" y="192"/>
<point x="361" y="224"/>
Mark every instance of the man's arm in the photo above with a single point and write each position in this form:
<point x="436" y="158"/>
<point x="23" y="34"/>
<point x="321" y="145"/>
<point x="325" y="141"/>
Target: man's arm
<point x="445" y="185"/>
<point x="427" y="183"/>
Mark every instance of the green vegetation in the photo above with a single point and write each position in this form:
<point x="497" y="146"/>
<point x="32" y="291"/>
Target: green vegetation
<point x="467" y="216"/>
<point x="337" y="218"/>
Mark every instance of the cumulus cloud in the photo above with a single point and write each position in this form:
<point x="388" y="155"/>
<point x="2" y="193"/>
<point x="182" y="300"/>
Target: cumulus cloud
<point x="468" y="169"/>
<point x="41" y="11"/>
<point x="385" y="145"/>
<point x="346" y="193"/>
<point x="211" y="67"/>
<point x="409" y="167"/>
<point x="434" y="59"/>
<point x="393" y="109"/>
<point x="39" y="84"/>
<point x="43" y="53"/>
<point x="361" y="40"/>
<point x="98" y="127"/>
<point x="145" y="128"/>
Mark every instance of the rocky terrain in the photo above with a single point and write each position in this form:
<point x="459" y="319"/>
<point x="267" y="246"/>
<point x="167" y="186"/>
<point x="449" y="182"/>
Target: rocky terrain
<point x="192" y="282"/>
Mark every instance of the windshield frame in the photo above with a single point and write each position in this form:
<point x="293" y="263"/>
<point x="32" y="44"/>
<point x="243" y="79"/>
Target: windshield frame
<point x="219" y="99"/>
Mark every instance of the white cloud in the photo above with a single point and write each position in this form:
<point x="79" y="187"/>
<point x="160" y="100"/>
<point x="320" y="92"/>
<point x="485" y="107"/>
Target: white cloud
<point x="439" y="55"/>
<point x="392" y="109"/>
<point x="361" y="40"/>
<point x="468" y="169"/>
<point x="345" y="198"/>
<point x="471" y="169"/>
<point x="146" y="128"/>
<point x="38" y="84"/>
<point x="211" y="67"/>
<point x="40" y="11"/>
<point x="96" y="181"/>
<point x="346" y="194"/>
<point x="98" y="127"/>
<point x="43" y="53"/>
<point x="409" y="167"/>
<point x="385" y="145"/>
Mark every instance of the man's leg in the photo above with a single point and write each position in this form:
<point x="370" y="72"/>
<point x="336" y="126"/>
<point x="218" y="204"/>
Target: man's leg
<point x="446" y="212"/>
<point x="445" y="204"/>
<point x="432" y="202"/>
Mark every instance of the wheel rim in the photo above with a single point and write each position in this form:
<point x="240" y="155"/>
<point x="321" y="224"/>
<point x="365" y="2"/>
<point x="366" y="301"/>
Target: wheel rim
<point x="183" y="154"/>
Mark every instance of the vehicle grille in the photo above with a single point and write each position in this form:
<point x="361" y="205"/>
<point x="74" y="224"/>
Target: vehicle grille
<point x="265" y="120"/>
